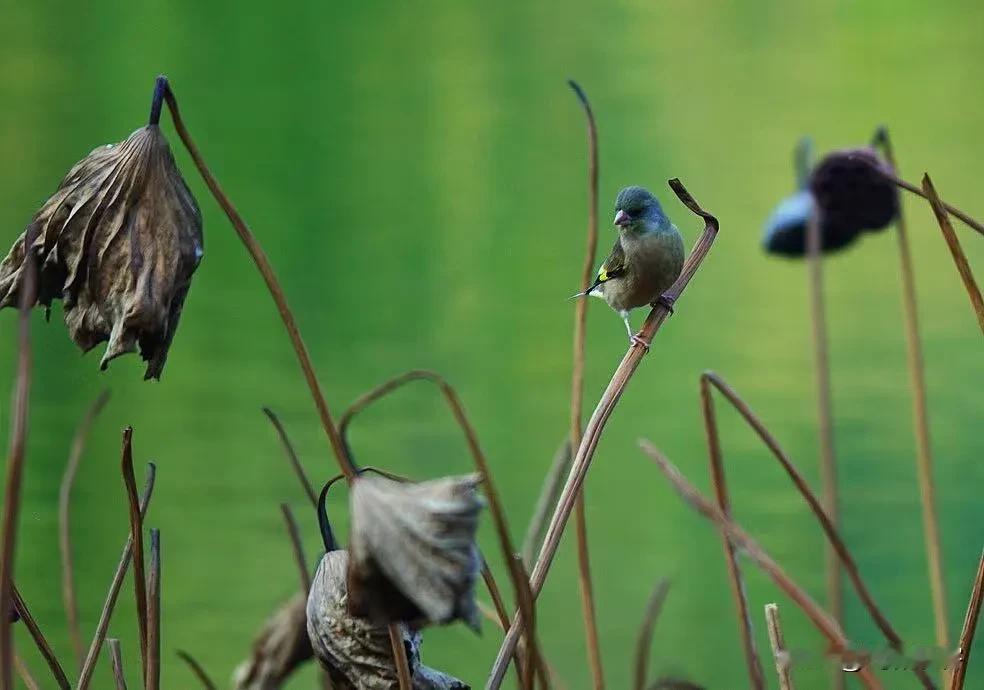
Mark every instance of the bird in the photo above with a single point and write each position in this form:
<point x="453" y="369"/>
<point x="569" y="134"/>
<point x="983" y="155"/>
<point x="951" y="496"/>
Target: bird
<point x="644" y="262"/>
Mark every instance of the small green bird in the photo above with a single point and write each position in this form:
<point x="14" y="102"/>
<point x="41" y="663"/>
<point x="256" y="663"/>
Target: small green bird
<point x="646" y="260"/>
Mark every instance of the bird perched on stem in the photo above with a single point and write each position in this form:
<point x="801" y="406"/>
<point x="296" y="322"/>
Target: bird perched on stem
<point x="646" y="260"/>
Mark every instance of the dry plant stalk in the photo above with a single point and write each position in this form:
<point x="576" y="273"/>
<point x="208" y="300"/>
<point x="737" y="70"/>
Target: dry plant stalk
<point x="269" y="278"/>
<point x="400" y="656"/>
<point x="951" y="210"/>
<point x="21" y="607"/>
<point x="592" y="434"/>
<point x="95" y="647"/>
<point x="825" y="416"/>
<point x="15" y="463"/>
<point x="836" y="542"/>
<point x="959" y="258"/>
<point x="820" y="618"/>
<point x="588" y="610"/>
<point x="644" y="640"/>
<point x="25" y="673"/>
<point x="297" y="547"/>
<point x="778" y="641"/>
<point x="136" y="535"/>
<point x="527" y="606"/>
<point x="295" y="462"/>
<point x="553" y="482"/>
<point x="153" y="604"/>
<point x="197" y="669"/>
<point x="116" y="656"/>
<point x="64" y="521"/>
<point x="755" y="674"/>
<point x="920" y="415"/>
<point x="969" y="628"/>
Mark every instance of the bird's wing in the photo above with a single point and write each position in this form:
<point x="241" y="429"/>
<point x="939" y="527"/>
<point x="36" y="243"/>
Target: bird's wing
<point x="611" y="267"/>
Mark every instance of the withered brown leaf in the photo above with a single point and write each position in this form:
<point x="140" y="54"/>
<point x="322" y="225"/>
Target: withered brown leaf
<point x="356" y="652"/>
<point x="413" y="551"/>
<point x="118" y="243"/>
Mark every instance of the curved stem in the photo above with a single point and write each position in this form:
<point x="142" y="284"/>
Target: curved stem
<point x="920" y="414"/>
<point x="297" y="547"/>
<point x="136" y="535"/>
<point x="400" y="656"/>
<point x="65" y="523"/>
<point x="39" y="639"/>
<point x="295" y="462"/>
<point x="197" y="669"/>
<point x="160" y="88"/>
<point x="952" y="210"/>
<point x="471" y="438"/>
<point x="95" y="647"/>
<point x="273" y="285"/>
<point x="596" y="425"/>
<point x="834" y="539"/>
<point x="969" y="628"/>
<point x="15" y="457"/>
<point x="778" y="642"/>
<point x="153" y="605"/>
<point x="820" y="618"/>
<point x="116" y="657"/>
<point x="755" y="674"/>
<point x="645" y="637"/>
<point x="959" y="258"/>
<point x="588" y="610"/>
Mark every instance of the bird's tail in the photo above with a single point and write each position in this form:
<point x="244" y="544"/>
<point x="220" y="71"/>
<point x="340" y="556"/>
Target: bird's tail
<point x="583" y="293"/>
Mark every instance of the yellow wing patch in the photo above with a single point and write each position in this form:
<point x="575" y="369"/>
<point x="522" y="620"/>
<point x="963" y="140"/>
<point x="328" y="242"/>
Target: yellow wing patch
<point x="602" y="274"/>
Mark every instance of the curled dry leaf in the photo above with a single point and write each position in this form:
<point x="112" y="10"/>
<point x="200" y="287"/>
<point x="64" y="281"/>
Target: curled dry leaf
<point x="413" y="551"/>
<point x="356" y="652"/>
<point x="281" y="646"/>
<point x="118" y="243"/>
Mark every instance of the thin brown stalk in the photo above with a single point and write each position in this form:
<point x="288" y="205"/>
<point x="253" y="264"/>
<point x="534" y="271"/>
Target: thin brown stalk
<point x="136" y="534"/>
<point x="153" y="681"/>
<point x="588" y="610"/>
<point x="755" y="674"/>
<point x="528" y="608"/>
<point x="592" y="433"/>
<point x="951" y="210"/>
<point x="117" y="660"/>
<point x="502" y="615"/>
<point x="549" y="492"/>
<point x="39" y="639"/>
<point x="644" y="640"/>
<point x="969" y="628"/>
<point x="822" y="620"/>
<point x="25" y="673"/>
<point x="778" y="641"/>
<point x="920" y="412"/>
<point x="471" y="439"/>
<point x="959" y="258"/>
<point x="297" y="547"/>
<point x="64" y="522"/>
<point x="825" y="417"/>
<point x="295" y="462"/>
<point x="836" y="542"/>
<point x="273" y="285"/>
<point x="197" y="669"/>
<point x="89" y="666"/>
<point x="15" y="459"/>
<point x="400" y="656"/>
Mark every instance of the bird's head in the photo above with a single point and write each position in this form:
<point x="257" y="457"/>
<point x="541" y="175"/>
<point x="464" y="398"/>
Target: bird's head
<point x="637" y="210"/>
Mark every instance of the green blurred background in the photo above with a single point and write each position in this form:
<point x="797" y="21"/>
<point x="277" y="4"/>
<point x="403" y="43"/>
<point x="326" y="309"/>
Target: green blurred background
<point x="416" y="172"/>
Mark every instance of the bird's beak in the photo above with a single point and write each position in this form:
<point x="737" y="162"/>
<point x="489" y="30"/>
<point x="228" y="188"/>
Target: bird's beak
<point x="622" y="219"/>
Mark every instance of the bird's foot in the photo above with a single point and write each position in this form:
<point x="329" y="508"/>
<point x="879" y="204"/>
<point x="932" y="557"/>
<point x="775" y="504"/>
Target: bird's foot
<point x="638" y="341"/>
<point x="665" y="302"/>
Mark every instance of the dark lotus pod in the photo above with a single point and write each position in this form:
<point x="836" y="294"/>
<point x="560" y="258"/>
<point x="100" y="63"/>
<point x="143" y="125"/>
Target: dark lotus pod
<point x="118" y="243"/>
<point x="852" y="192"/>
<point x="785" y="230"/>
<point x="356" y="651"/>
<point x="413" y="551"/>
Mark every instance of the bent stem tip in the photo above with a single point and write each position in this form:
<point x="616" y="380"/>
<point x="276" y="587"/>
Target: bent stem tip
<point x="160" y="88"/>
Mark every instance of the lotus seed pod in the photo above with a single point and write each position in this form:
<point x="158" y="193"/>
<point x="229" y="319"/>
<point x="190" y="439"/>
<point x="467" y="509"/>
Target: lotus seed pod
<point x="118" y="243"/>
<point x="356" y="651"/>
<point x="785" y="230"/>
<point x="853" y="193"/>
<point x="413" y="551"/>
